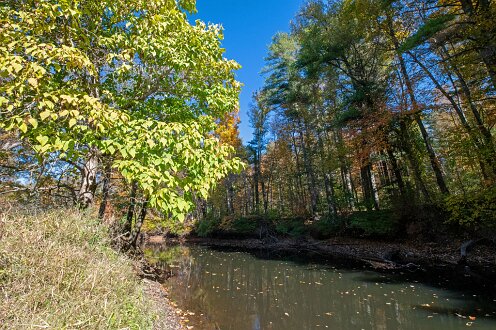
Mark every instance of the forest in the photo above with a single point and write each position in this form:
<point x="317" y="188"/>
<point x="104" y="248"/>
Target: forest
<point x="120" y="125"/>
<point x="376" y="117"/>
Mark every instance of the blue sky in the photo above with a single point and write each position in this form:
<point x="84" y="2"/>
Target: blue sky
<point x="248" y="30"/>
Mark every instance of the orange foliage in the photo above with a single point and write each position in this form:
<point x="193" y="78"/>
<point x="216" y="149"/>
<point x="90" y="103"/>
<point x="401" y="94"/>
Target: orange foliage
<point x="227" y="130"/>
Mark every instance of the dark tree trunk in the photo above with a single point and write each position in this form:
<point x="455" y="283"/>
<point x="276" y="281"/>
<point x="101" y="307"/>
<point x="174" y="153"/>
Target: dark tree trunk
<point x="105" y="190"/>
<point x="396" y="171"/>
<point x="138" y="224"/>
<point x="368" y="187"/>
<point x="132" y="205"/>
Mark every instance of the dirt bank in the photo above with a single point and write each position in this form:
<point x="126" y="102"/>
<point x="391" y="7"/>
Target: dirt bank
<point x="428" y="258"/>
<point x="169" y="316"/>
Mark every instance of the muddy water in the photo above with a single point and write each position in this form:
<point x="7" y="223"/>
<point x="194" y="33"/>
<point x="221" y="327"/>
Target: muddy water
<point x="236" y="290"/>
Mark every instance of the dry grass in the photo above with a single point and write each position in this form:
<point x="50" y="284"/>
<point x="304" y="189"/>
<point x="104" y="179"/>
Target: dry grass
<point x="57" y="271"/>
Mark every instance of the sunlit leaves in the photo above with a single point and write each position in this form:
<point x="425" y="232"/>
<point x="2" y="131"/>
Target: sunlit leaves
<point x="133" y="79"/>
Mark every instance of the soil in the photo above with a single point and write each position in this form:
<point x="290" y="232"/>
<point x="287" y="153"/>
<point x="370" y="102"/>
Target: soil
<point x="169" y="316"/>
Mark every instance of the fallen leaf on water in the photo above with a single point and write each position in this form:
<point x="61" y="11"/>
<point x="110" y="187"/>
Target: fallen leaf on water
<point x="472" y="318"/>
<point x="286" y="314"/>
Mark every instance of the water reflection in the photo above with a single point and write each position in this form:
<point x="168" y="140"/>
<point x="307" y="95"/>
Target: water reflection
<point x="238" y="291"/>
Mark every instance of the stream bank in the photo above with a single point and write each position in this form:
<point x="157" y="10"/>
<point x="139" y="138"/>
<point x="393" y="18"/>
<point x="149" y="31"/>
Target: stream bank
<point x="424" y="258"/>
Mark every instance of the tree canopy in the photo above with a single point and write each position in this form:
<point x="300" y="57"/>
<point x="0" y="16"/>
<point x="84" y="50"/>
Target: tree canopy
<point x="132" y="83"/>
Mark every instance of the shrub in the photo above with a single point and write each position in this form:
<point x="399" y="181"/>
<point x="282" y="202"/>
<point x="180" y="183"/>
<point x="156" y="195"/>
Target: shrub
<point x="327" y="227"/>
<point x="206" y="227"/>
<point x="294" y="227"/>
<point x="473" y="210"/>
<point x="374" y="223"/>
<point x="240" y="225"/>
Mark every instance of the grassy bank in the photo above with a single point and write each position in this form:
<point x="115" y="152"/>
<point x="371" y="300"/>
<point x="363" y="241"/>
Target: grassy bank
<point x="57" y="271"/>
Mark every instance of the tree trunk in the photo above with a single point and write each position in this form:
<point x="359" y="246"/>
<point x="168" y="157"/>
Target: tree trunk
<point x="256" y="183"/>
<point x="88" y="185"/>
<point x="368" y="187"/>
<point x="485" y="150"/>
<point x="138" y="224"/>
<point x="344" y="171"/>
<point x="330" y="195"/>
<point x="105" y="190"/>
<point x="311" y="182"/>
<point x="486" y="46"/>
<point x="396" y="171"/>
<point x="435" y="164"/>
<point x="299" y="181"/>
<point x="328" y="180"/>
<point x="132" y="205"/>
<point x="230" y="194"/>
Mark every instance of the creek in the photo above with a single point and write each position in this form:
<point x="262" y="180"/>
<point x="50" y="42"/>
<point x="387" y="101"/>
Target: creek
<point x="239" y="290"/>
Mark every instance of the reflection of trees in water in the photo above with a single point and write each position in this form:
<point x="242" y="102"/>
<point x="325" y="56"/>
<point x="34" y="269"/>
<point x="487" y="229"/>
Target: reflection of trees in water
<point x="239" y="291"/>
<point x="168" y="260"/>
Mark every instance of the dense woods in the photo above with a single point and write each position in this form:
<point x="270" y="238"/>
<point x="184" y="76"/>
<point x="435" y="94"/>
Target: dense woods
<point x="374" y="115"/>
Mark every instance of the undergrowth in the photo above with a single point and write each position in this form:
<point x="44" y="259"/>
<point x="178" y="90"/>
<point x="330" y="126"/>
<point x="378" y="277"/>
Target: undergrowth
<point x="58" y="271"/>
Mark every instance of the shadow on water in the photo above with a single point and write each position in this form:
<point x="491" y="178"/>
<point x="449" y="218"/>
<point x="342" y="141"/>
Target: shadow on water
<point x="452" y="277"/>
<point x="260" y="290"/>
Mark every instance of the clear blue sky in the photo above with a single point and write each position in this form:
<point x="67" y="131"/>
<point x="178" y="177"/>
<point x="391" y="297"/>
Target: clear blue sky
<point x="248" y="29"/>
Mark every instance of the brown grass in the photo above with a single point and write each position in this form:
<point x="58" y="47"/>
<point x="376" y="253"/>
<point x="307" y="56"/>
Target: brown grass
<point x="57" y="271"/>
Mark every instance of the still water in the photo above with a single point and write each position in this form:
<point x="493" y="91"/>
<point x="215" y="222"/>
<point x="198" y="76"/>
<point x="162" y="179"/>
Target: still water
<point x="237" y="290"/>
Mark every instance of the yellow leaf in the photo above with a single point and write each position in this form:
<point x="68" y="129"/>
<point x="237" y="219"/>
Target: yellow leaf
<point x="72" y="122"/>
<point x="44" y="115"/>
<point x="42" y="140"/>
<point x="33" y="122"/>
<point x="17" y="67"/>
<point x="33" y="82"/>
<point x="23" y="127"/>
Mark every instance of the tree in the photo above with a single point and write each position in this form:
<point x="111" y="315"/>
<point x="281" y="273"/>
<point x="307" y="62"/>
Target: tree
<point x="86" y="80"/>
